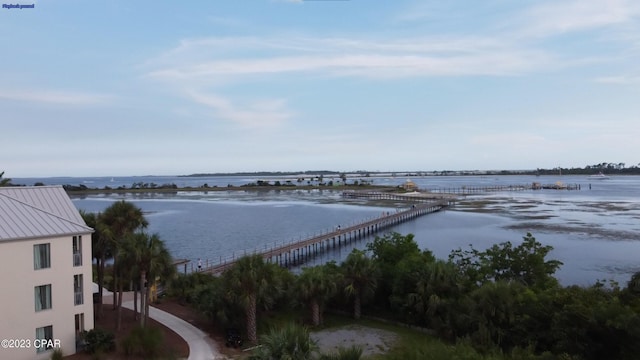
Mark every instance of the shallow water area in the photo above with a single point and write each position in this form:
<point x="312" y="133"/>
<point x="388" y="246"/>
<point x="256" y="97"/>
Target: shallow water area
<point x="217" y="225"/>
<point x="595" y="231"/>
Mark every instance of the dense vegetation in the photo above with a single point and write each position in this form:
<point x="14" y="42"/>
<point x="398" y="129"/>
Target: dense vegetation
<point x="608" y="168"/>
<point x="503" y="300"/>
<point x="5" y="181"/>
<point x="137" y="258"/>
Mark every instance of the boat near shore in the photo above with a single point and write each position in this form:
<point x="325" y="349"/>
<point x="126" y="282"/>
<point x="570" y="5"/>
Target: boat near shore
<point x="598" y="176"/>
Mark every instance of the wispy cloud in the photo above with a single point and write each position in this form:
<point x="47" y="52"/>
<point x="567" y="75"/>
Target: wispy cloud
<point x="226" y="21"/>
<point x="347" y="57"/>
<point x="424" y="11"/>
<point x="508" y="140"/>
<point x="259" y="114"/>
<point x="559" y="17"/>
<point x="620" y="80"/>
<point x="197" y="64"/>
<point x="55" y="97"/>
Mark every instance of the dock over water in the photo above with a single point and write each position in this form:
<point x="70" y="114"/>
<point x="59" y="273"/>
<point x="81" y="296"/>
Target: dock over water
<point x="297" y="252"/>
<point x="421" y="203"/>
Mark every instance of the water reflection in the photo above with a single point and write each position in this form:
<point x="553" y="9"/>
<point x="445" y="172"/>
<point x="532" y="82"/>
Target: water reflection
<point x="595" y="233"/>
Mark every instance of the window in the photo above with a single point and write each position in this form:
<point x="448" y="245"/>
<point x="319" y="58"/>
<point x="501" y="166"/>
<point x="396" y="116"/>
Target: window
<point x="77" y="251"/>
<point x="43" y="297"/>
<point x="45" y="332"/>
<point x="41" y="256"/>
<point x="77" y="290"/>
<point x="79" y="321"/>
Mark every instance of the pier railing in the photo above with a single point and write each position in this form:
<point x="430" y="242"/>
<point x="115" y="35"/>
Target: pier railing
<point x="434" y="193"/>
<point x="295" y="252"/>
<point x="469" y="190"/>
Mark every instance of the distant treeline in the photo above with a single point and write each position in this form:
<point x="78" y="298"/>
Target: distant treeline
<point x="608" y="168"/>
<point x="134" y="186"/>
<point x="268" y="173"/>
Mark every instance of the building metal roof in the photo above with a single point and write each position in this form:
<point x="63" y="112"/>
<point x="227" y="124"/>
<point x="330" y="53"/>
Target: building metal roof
<point x="36" y="212"/>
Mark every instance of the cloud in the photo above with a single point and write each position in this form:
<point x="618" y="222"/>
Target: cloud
<point x="559" y="17"/>
<point x="508" y="140"/>
<point x="438" y="56"/>
<point x="55" y="97"/>
<point x="255" y="115"/>
<point x="225" y="21"/>
<point x="429" y="11"/>
<point x="620" y="80"/>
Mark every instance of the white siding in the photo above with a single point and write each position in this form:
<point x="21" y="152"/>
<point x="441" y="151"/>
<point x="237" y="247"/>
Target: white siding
<point x="18" y="319"/>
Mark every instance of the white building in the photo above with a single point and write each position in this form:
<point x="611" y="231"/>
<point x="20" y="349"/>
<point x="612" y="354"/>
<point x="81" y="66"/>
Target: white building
<point x="45" y="273"/>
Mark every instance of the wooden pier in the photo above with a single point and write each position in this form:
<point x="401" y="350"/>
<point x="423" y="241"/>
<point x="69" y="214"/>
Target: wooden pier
<point x="443" y="192"/>
<point x="384" y="195"/>
<point x="297" y="252"/>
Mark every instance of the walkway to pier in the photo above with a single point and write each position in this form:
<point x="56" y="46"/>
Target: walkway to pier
<point x="470" y="190"/>
<point x="385" y="195"/>
<point x="298" y="252"/>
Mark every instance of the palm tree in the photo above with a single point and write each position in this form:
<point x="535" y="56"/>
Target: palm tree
<point x="151" y="259"/>
<point x="436" y="291"/>
<point x="291" y="342"/>
<point x="360" y="278"/>
<point x="128" y="268"/>
<point x="120" y="220"/>
<point x="315" y="285"/>
<point x="249" y="280"/>
<point x="100" y="249"/>
<point x="633" y="285"/>
<point x="4" y="182"/>
<point x="495" y="310"/>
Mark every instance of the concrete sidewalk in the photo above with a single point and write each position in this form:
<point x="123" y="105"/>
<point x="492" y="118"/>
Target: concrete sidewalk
<point x="201" y="346"/>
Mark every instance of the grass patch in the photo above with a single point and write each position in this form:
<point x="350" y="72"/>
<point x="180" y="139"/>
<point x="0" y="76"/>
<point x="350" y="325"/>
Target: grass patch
<point x="278" y="319"/>
<point x="412" y="344"/>
<point x="409" y="343"/>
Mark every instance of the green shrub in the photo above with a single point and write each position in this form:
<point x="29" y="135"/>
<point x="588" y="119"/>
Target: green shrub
<point x="99" y="355"/>
<point x="145" y="342"/>
<point x="351" y="353"/>
<point x="57" y="354"/>
<point x="99" y="341"/>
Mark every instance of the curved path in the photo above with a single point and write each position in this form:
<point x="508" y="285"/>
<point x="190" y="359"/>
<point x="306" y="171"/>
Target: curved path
<point x="201" y="347"/>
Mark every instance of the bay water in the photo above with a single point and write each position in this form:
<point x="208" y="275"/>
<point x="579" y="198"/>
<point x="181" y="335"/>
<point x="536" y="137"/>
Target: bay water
<point x="595" y="231"/>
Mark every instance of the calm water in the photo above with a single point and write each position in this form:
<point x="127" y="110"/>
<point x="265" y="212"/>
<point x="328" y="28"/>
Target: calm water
<point x="595" y="232"/>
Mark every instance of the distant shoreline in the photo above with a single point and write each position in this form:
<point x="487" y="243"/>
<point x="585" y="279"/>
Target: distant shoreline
<point x="87" y="191"/>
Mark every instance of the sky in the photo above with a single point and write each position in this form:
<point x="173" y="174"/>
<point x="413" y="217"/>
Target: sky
<point x="116" y="88"/>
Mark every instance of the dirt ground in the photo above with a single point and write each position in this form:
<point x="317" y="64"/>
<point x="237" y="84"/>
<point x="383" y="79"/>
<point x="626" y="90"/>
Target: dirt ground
<point x="372" y="341"/>
<point x="172" y="343"/>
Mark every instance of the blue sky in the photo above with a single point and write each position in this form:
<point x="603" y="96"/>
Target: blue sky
<point x="107" y="88"/>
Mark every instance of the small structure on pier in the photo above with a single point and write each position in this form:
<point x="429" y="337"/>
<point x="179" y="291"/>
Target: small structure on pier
<point x="410" y="186"/>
